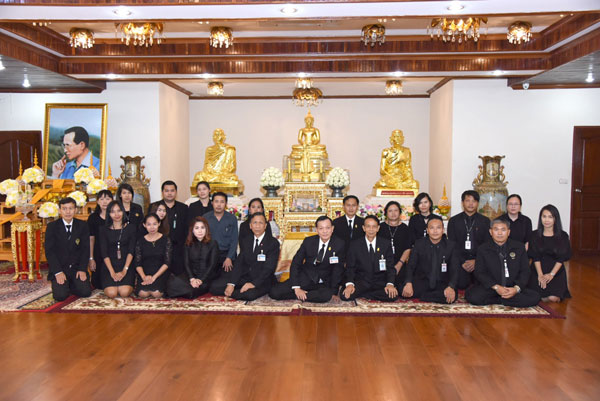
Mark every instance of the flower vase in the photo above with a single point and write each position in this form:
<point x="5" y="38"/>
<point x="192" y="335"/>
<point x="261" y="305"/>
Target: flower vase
<point x="336" y="192"/>
<point x="271" y="191"/>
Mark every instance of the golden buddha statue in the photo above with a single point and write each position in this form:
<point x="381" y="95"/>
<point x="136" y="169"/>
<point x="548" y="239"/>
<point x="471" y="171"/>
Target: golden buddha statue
<point x="219" y="167"/>
<point x="396" y="169"/>
<point x="309" y="160"/>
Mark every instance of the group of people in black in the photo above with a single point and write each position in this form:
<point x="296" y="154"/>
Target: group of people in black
<point x="184" y="252"/>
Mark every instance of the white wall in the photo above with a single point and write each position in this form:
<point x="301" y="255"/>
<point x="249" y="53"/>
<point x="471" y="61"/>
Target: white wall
<point x="174" y="139"/>
<point x="533" y="128"/>
<point x="132" y="121"/>
<point x="440" y="141"/>
<point x="354" y="130"/>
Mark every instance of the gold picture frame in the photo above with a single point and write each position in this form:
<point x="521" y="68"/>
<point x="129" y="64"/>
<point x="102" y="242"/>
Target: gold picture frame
<point x="93" y="118"/>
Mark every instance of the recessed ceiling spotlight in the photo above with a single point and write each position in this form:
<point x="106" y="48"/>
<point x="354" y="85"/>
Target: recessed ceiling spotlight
<point x="302" y="75"/>
<point x="2" y="67"/>
<point x="562" y="15"/>
<point x="398" y="73"/>
<point x="26" y="83"/>
<point x="455" y="6"/>
<point x="205" y="76"/>
<point x="590" y="78"/>
<point x="200" y="22"/>
<point x="289" y="9"/>
<point x="498" y="72"/>
<point x="111" y="76"/>
<point x="122" y="11"/>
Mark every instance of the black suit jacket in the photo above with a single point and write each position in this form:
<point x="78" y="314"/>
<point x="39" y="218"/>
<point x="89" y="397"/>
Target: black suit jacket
<point x="247" y="268"/>
<point x="65" y="254"/>
<point x="342" y="231"/>
<point x="489" y="268"/>
<point x="303" y="263"/>
<point x="457" y="232"/>
<point x="419" y="263"/>
<point x="359" y="266"/>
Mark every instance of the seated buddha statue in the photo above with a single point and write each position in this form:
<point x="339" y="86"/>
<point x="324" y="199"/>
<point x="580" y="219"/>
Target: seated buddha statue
<point x="219" y="166"/>
<point x="396" y="166"/>
<point x="309" y="156"/>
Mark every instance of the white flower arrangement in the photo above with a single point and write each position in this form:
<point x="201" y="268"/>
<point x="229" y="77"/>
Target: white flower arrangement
<point x="338" y="178"/>
<point x="8" y="186"/>
<point x="48" y="209"/>
<point x="79" y="197"/>
<point x="96" y="186"/>
<point x="84" y="175"/>
<point x="33" y="175"/>
<point x="271" y="177"/>
<point x="12" y="198"/>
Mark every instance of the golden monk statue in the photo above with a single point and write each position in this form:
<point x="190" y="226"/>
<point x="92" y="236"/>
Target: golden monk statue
<point x="219" y="166"/>
<point x="308" y="160"/>
<point x="396" y="169"/>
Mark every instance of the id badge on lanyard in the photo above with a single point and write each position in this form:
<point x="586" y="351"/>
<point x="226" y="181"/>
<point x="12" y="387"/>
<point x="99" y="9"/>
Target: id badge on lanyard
<point x="444" y="265"/>
<point x="261" y="257"/>
<point x="468" y="243"/>
<point x="505" y="269"/>
<point x="382" y="264"/>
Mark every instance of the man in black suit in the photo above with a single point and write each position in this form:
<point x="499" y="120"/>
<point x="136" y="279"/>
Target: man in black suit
<point x="432" y="269"/>
<point x="502" y="271"/>
<point x="370" y="271"/>
<point x="469" y="230"/>
<point x="177" y="213"/>
<point x="317" y="267"/>
<point x="68" y="251"/>
<point x="253" y="269"/>
<point x="349" y="226"/>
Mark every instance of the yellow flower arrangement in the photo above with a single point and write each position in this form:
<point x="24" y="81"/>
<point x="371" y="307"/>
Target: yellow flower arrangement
<point x="96" y="186"/>
<point x="33" y="175"/>
<point x="79" y="197"/>
<point x="8" y="186"/>
<point x="48" y="209"/>
<point x="84" y="175"/>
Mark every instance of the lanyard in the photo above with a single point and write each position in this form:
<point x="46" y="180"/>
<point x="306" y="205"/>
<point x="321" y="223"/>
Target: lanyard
<point x="469" y="228"/>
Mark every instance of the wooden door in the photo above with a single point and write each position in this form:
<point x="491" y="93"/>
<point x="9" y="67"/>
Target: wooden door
<point x="585" y="192"/>
<point x="18" y="146"/>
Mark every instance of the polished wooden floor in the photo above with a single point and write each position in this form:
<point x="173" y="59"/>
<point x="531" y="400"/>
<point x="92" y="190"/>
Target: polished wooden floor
<point x="195" y="357"/>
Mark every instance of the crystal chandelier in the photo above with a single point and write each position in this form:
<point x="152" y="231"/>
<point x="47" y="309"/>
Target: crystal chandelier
<point x="142" y="33"/>
<point x="518" y="32"/>
<point x="372" y="34"/>
<point x="304" y="83"/>
<point x="307" y="97"/>
<point x="456" y="30"/>
<point x="215" y="89"/>
<point x="393" y="88"/>
<point x="81" y="37"/>
<point x="221" y="36"/>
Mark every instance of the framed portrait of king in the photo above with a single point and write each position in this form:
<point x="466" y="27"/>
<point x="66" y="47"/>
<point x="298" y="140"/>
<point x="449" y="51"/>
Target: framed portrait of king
<point x="74" y="138"/>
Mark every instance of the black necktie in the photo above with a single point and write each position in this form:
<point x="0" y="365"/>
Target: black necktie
<point x="321" y="254"/>
<point x="255" y="245"/>
<point x="435" y="265"/>
<point x="371" y="253"/>
<point x="350" y="228"/>
<point x="68" y="231"/>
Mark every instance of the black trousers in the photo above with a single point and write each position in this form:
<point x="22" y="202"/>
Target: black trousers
<point x="177" y="267"/>
<point x="465" y="279"/>
<point x="479" y="295"/>
<point x="218" y="288"/>
<point x="317" y="293"/>
<point x="424" y="293"/>
<point x="71" y="286"/>
<point x="180" y="287"/>
<point x="375" y="291"/>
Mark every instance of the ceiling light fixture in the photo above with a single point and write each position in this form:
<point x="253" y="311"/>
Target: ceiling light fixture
<point x="393" y="88"/>
<point x="372" y="34"/>
<point x="518" y="32"/>
<point x="398" y="73"/>
<point x="41" y="23"/>
<point x="451" y="29"/>
<point x="304" y="83"/>
<point x="2" y="67"/>
<point x="81" y="37"/>
<point x="221" y="36"/>
<point x="590" y="78"/>
<point x="455" y="6"/>
<point x="289" y="9"/>
<point x="111" y="76"/>
<point x="26" y="83"/>
<point x="307" y="97"/>
<point x="142" y="33"/>
<point x="498" y="72"/>
<point x="122" y="11"/>
<point x="215" y="89"/>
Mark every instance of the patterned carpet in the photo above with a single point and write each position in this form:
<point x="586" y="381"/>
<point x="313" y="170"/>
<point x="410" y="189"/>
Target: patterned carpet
<point x="15" y="295"/>
<point x="98" y="303"/>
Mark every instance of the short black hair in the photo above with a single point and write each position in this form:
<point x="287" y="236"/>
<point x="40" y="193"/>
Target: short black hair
<point x="500" y="221"/>
<point x="469" y="192"/>
<point x="434" y="217"/>
<point x="514" y="196"/>
<point x="222" y="194"/>
<point x="100" y="194"/>
<point x="323" y="218"/>
<point x="203" y="183"/>
<point x="418" y="200"/>
<point x="168" y="182"/>
<point x="124" y="186"/>
<point x="151" y="215"/>
<point x="253" y="215"/>
<point x="348" y="197"/>
<point x="81" y="135"/>
<point x="66" y="200"/>
<point x="390" y="204"/>
<point x="372" y="217"/>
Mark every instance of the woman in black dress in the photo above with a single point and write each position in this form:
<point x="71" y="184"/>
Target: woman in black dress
<point x="201" y="254"/>
<point x="417" y="224"/>
<point x="117" y="244"/>
<point x="134" y="213"/>
<point x="203" y="204"/>
<point x="550" y="248"/>
<point x="399" y="235"/>
<point x="254" y="206"/>
<point x="95" y="222"/>
<point x="520" y="225"/>
<point x="152" y="259"/>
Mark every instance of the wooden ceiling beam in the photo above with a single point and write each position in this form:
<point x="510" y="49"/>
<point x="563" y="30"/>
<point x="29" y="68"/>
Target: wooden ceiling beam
<point x="27" y="53"/>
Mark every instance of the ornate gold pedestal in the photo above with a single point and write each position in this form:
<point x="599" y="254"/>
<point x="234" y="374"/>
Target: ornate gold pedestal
<point x="26" y="246"/>
<point x="274" y="209"/>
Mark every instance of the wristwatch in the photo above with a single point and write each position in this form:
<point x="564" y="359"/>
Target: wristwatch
<point x="517" y="288"/>
<point x="552" y="274"/>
